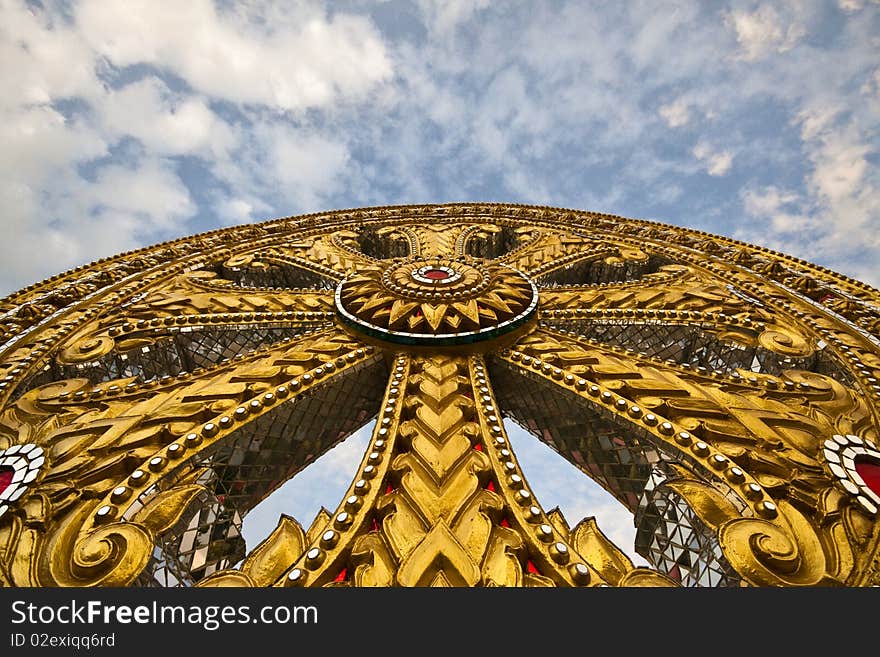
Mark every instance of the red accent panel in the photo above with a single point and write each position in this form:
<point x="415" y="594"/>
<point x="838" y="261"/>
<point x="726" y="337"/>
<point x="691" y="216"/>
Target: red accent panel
<point x="6" y="475"/>
<point x="388" y="488"/>
<point x="532" y="568"/>
<point x="504" y="523"/>
<point x="478" y="447"/>
<point x="341" y="576"/>
<point x="869" y="471"/>
<point x="490" y="486"/>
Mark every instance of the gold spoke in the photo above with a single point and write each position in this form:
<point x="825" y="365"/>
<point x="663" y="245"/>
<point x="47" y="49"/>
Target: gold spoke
<point x="744" y="444"/>
<point x="675" y="287"/>
<point x="441" y="487"/>
<point x="99" y="340"/>
<point x="339" y="543"/>
<point x="552" y="557"/>
<point x="544" y="250"/>
<point x="331" y="256"/>
<point x="119" y="438"/>
<point x="186" y="299"/>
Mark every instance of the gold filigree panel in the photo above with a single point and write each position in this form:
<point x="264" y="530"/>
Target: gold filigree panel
<point x="727" y="395"/>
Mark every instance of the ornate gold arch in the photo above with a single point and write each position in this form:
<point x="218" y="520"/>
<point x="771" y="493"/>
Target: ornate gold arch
<point x="726" y="394"/>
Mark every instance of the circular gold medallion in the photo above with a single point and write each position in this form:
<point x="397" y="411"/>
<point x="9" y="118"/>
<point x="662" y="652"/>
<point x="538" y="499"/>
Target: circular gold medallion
<point x="436" y="301"/>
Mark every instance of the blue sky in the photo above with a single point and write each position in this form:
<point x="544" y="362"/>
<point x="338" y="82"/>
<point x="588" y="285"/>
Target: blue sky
<point x="128" y="123"/>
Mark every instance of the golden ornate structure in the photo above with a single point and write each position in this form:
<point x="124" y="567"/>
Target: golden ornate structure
<point x="725" y="394"/>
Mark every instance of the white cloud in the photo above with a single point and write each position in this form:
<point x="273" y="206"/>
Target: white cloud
<point x="39" y="140"/>
<point x="834" y="218"/>
<point x="815" y="120"/>
<point x="41" y="149"/>
<point x="767" y="201"/>
<point x="838" y="150"/>
<point x="851" y="5"/>
<point x="297" y="60"/>
<point x="165" y="123"/>
<point x="763" y="31"/>
<point x="294" y="107"/>
<point x="77" y="123"/>
<point x="501" y="117"/>
<point x="149" y="190"/>
<point x="237" y="210"/>
<point x="871" y="88"/>
<point x="717" y="162"/>
<point x="840" y="167"/>
<point x="72" y="222"/>
<point x="443" y="16"/>
<point x="297" y="168"/>
<point x="676" y="113"/>
<point x="781" y="207"/>
<point x="41" y="58"/>
<point x="307" y="164"/>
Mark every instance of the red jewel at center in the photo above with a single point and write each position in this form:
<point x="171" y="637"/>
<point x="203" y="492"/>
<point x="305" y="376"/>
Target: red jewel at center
<point x="869" y="471"/>
<point x="6" y="474"/>
<point x="436" y="274"/>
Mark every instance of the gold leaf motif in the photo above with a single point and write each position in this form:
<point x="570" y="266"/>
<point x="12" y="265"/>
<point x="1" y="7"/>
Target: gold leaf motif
<point x="440" y="424"/>
<point x="374" y="566"/>
<point x="111" y="555"/>
<point x="453" y="320"/>
<point x="403" y="526"/>
<point x="533" y="580"/>
<point x="842" y="552"/>
<point x="785" y="341"/>
<point x="23" y="570"/>
<point x="228" y="578"/>
<point x="496" y="302"/>
<point x="164" y="511"/>
<point x="134" y="343"/>
<point x="434" y="314"/>
<point x="378" y="300"/>
<point x="270" y="559"/>
<point x="322" y="518"/>
<point x="787" y="553"/>
<point x="646" y="578"/>
<point x="474" y="527"/>
<point x="501" y="566"/>
<point x="440" y="459"/>
<point x="469" y="310"/>
<point x="399" y="310"/>
<point x="438" y="392"/>
<point x="37" y="509"/>
<point x="633" y="254"/>
<point x="442" y="501"/>
<point x="559" y="522"/>
<point x="599" y="552"/>
<point x="707" y="503"/>
<point x="86" y="348"/>
<point x="438" y="553"/>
